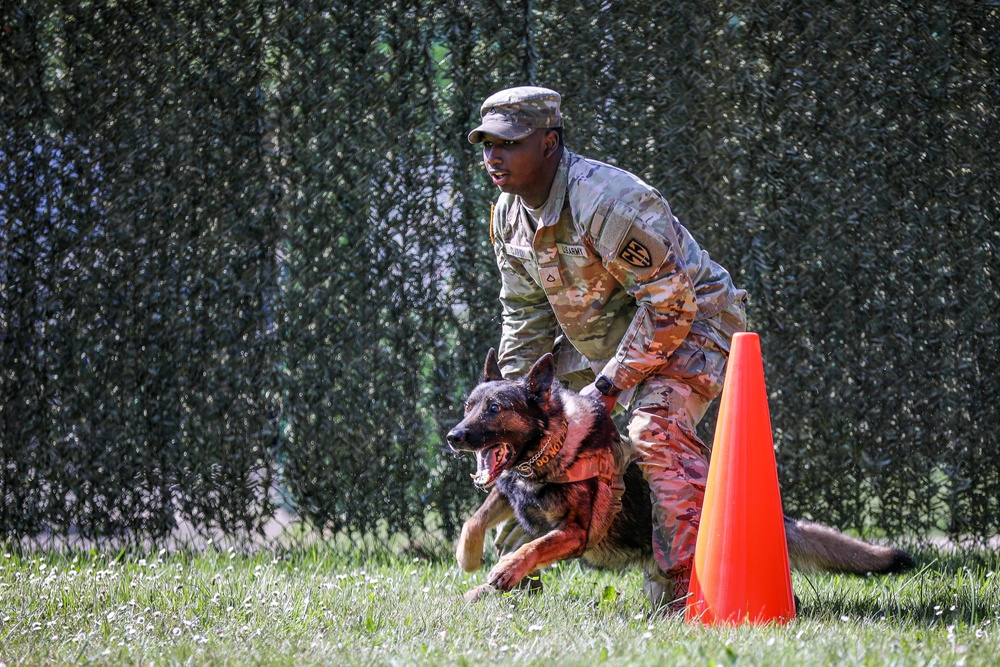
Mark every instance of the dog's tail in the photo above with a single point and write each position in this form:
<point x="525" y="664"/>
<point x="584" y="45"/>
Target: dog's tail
<point x="813" y="546"/>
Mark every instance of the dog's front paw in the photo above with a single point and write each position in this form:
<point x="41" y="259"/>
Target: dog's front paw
<point x="477" y="593"/>
<point x="508" y="571"/>
<point x="469" y="551"/>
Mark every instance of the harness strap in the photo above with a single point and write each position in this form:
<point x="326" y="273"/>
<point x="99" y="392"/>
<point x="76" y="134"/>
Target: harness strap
<point x="599" y="464"/>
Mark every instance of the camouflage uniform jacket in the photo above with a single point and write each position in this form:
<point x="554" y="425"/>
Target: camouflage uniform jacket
<point x="611" y="267"/>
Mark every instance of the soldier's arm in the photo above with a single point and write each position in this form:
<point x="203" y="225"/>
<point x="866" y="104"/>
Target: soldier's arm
<point x="631" y="233"/>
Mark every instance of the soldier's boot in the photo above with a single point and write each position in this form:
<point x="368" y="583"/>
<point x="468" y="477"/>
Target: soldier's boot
<point x="667" y="593"/>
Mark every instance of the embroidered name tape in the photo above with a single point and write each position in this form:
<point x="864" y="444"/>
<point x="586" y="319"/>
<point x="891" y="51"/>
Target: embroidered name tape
<point x="572" y="250"/>
<point x="517" y="251"/>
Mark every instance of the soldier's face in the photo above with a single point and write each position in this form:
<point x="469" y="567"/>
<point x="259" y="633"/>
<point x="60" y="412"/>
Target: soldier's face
<point x="522" y="167"/>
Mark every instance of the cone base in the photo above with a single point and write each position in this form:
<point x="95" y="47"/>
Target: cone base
<point x="728" y="612"/>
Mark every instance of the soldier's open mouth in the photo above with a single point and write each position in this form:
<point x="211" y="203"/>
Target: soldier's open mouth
<point x="499" y="177"/>
<point x="490" y="463"/>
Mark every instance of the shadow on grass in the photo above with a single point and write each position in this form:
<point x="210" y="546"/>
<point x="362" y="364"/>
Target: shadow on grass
<point x="946" y="588"/>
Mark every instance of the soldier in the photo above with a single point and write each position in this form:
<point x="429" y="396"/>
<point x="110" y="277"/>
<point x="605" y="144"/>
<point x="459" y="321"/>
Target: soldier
<point x="595" y="267"/>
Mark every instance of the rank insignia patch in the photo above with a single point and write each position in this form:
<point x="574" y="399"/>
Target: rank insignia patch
<point x="636" y="254"/>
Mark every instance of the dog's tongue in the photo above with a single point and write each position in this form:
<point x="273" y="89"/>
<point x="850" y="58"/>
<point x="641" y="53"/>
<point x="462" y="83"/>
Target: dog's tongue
<point x="486" y="463"/>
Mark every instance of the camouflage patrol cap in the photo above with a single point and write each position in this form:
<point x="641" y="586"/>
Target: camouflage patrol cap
<point x="515" y="113"/>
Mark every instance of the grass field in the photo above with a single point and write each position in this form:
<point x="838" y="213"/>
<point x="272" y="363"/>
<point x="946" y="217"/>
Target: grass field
<point x="320" y="607"/>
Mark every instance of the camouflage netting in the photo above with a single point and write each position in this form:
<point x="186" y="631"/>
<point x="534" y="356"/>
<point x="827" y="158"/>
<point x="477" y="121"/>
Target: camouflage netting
<point x="245" y="272"/>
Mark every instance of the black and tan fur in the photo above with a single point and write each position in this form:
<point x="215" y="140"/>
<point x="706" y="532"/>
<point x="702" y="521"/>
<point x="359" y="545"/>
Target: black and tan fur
<point x="508" y="423"/>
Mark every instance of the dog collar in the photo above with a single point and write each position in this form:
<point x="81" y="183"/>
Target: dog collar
<point x="553" y="443"/>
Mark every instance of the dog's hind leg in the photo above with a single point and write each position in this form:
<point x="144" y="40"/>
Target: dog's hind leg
<point x="494" y="511"/>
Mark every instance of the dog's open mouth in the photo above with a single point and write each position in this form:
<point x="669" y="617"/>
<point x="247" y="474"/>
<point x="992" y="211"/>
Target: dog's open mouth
<point x="490" y="463"/>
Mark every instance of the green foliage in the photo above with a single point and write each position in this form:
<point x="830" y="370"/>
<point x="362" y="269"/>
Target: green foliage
<point x="251" y="238"/>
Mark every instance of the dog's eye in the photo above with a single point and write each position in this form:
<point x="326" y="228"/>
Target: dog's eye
<point x="494" y="408"/>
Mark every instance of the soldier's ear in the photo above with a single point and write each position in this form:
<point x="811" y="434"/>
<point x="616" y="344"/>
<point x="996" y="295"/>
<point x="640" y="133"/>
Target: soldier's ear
<point x="491" y="369"/>
<point x="539" y="378"/>
<point x="550" y="143"/>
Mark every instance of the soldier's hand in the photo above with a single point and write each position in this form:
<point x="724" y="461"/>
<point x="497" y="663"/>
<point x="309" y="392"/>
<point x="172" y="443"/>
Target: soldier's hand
<point x="609" y="401"/>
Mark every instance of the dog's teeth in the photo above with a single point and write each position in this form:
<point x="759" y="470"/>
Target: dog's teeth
<point x="488" y="463"/>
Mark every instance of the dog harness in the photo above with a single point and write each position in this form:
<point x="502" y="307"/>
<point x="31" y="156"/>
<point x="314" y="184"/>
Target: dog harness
<point x="599" y="464"/>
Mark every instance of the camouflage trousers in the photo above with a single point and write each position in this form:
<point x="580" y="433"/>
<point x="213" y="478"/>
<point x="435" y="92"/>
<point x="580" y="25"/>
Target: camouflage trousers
<point x="664" y="414"/>
<point x="662" y="417"/>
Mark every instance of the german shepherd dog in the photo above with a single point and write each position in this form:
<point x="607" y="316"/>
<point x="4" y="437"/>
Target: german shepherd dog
<point x="548" y="457"/>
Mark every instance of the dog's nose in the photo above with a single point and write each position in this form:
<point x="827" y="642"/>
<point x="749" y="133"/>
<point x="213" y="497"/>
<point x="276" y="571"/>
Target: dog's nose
<point x="456" y="436"/>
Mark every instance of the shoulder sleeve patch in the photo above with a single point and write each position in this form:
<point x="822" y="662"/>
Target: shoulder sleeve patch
<point x="637" y="254"/>
<point x="643" y="250"/>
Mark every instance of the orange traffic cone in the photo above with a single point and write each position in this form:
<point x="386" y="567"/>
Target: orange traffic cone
<point x="741" y="572"/>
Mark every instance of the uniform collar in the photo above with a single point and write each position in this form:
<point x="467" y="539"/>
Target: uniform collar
<point x="554" y="204"/>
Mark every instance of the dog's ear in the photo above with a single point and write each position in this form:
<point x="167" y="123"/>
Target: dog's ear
<point x="539" y="378"/>
<point x="491" y="369"/>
